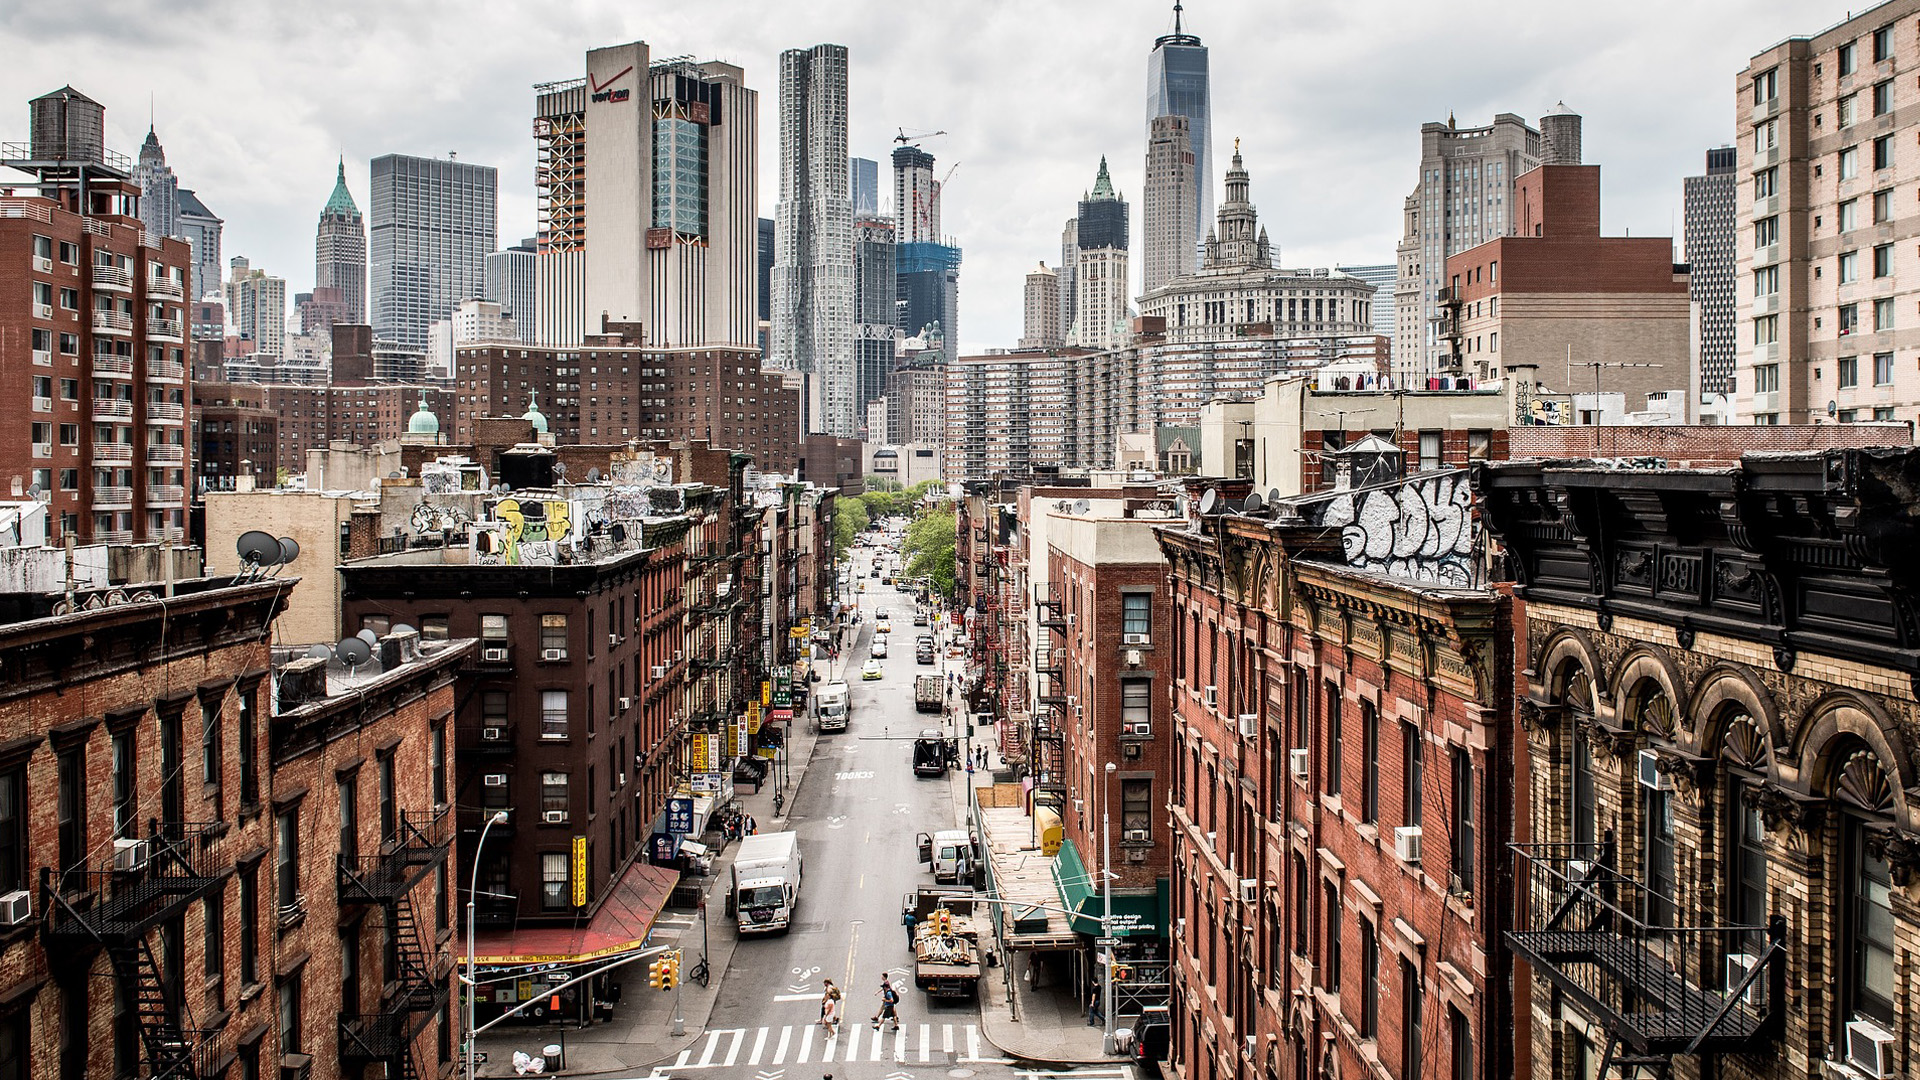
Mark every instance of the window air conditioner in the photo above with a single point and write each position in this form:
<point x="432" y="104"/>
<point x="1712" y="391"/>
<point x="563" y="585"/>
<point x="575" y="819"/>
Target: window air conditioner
<point x="1253" y="1046"/>
<point x="613" y="640"/>
<point x="1297" y="761"/>
<point x="659" y="671"/>
<point x="1133" y="657"/>
<point x="129" y="855"/>
<point x="1870" y="1048"/>
<point x="554" y="817"/>
<point x="1211" y="695"/>
<point x="626" y="703"/>
<point x="1249" y="890"/>
<point x="16" y="907"/>
<point x="492" y="734"/>
<point x="553" y="654"/>
<point x="1406" y="843"/>
<point x="1137" y="836"/>
<point x="494" y="779"/>
<point x="1138" y="729"/>
<point x="1249" y="725"/>
<point x="677" y="655"/>
<point x="494" y="656"/>
<point x="1650" y="772"/>
<point x="1738" y="964"/>
<point x="1133" y="639"/>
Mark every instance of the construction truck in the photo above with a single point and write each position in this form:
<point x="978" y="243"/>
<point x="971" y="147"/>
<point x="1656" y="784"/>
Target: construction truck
<point x="946" y="954"/>
<point x="929" y="691"/>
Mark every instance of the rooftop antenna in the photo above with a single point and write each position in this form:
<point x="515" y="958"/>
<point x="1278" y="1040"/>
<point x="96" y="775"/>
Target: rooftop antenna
<point x="1176" y="16"/>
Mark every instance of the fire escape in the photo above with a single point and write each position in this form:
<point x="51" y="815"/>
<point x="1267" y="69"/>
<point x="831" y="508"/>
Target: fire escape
<point x="1050" y="704"/>
<point x="1447" y="304"/>
<point x="113" y="907"/>
<point x="1602" y="939"/>
<point x="415" y="992"/>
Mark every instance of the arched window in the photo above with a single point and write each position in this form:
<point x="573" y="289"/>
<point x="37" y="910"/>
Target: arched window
<point x="1744" y="750"/>
<point x="1865" y="793"/>
<point x="1652" y="713"/>
<point x="1583" y="808"/>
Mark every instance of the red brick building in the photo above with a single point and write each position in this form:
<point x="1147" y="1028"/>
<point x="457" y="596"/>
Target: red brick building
<point x="311" y="417"/>
<point x="233" y="432"/>
<point x="1343" y="756"/>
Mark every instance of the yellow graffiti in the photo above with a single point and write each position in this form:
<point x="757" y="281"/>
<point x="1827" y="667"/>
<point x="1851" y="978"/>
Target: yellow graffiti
<point x="556" y="523"/>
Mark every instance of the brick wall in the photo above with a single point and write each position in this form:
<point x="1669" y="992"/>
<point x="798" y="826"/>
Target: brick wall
<point x="1699" y="446"/>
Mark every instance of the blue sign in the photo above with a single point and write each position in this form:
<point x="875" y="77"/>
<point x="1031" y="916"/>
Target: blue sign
<point x="665" y="847"/>
<point x="680" y="816"/>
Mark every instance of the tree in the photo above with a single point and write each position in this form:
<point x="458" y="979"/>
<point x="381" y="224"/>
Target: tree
<point x="929" y="548"/>
<point x="849" y="521"/>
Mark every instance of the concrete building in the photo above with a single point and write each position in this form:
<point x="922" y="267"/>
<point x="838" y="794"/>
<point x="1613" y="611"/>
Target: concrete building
<point x="1464" y="197"/>
<point x="257" y="308"/>
<point x="916" y="197"/>
<point x="433" y="223"/>
<point x="1382" y="279"/>
<point x="202" y="231"/>
<point x="906" y="464"/>
<point x="1102" y="285"/>
<point x="1823" y="240"/>
<point x="95" y="310"/>
<point x="1178" y="84"/>
<point x="876" y="333"/>
<point x="560" y="198"/>
<point x="1170" y="249"/>
<point x="1041" y="310"/>
<point x="510" y="284"/>
<point x="863" y="185"/>
<point x="159" y="189"/>
<point x="340" y="255"/>
<point x="916" y="400"/>
<point x="1559" y="299"/>
<point x="812" y="312"/>
<point x="1711" y="210"/>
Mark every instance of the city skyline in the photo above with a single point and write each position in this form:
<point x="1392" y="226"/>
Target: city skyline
<point x="1016" y="165"/>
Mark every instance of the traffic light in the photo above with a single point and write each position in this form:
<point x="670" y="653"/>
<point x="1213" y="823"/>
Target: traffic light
<point x="656" y="974"/>
<point x="1121" y="973"/>
<point x="943" y="921"/>
<point x="669" y="970"/>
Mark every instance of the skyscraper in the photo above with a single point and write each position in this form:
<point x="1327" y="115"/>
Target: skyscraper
<point x="763" y="263"/>
<point x="1177" y="85"/>
<point x="929" y="267"/>
<point x="864" y="183"/>
<point x="510" y="274"/>
<point x="813" y="272"/>
<point x="1464" y="198"/>
<point x="257" y="308"/>
<point x="1101" y="286"/>
<point x="340" y="251"/>
<point x="202" y="230"/>
<point x="1167" y="212"/>
<point x="159" y="189"/>
<point x="916" y="197"/>
<point x="875" y="295"/>
<point x="1711" y="203"/>
<point x="560" y="199"/>
<point x="433" y="225"/>
<point x="1382" y="278"/>
<point x="1041" y="323"/>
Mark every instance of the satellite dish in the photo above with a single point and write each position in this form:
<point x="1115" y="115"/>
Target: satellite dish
<point x="403" y="628"/>
<point x="368" y="636"/>
<point x="1273" y="497"/>
<point x="1082" y="506"/>
<point x="1208" y="500"/>
<point x="353" y="652"/>
<point x="289" y="549"/>
<point x="319" y="652"/>
<point x="257" y="548"/>
<point x="1253" y="505"/>
<point x="395" y="475"/>
<point x="593" y="476"/>
<point x="33" y="491"/>
<point x="619" y="532"/>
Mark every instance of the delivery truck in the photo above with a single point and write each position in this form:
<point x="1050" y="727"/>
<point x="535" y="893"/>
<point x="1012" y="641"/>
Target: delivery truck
<point x="830" y="705"/>
<point x="930" y="754"/>
<point x="928" y="691"/>
<point x="766" y="882"/>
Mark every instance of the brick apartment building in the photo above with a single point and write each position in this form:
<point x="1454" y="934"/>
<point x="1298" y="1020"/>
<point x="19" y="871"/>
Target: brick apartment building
<point x="1341" y="769"/>
<point x="1720" y="685"/>
<point x="314" y="417"/>
<point x="1555" y="284"/>
<point x="95" y="311"/>
<point x="234" y="432"/>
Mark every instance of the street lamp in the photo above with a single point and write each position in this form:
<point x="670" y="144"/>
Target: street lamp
<point x="1106" y="903"/>
<point x="499" y="818"/>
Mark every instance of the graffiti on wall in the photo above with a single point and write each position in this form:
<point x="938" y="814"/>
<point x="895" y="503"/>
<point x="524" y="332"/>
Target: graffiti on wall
<point x="1423" y="529"/>
<point x="533" y="522"/>
<point x="429" y="518"/>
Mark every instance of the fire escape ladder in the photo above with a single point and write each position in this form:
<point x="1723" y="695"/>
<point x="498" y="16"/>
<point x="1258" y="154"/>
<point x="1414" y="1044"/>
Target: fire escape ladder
<point x="413" y="969"/>
<point x="171" y="1048"/>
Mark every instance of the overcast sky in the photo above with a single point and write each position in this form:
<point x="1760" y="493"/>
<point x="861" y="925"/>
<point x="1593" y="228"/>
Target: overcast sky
<point x="254" y="100"/>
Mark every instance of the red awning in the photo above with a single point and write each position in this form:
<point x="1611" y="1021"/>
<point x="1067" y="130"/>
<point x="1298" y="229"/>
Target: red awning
<point x="621" y="925"/>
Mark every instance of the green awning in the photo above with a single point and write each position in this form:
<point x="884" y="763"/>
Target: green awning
<point x="1134" y="914"/>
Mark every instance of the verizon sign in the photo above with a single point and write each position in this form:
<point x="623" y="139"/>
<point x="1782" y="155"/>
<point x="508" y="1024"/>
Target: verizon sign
<point x="601" y="89"/>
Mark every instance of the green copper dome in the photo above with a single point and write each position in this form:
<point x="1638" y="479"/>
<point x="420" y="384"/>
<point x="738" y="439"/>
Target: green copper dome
<point x="341" y="201"/>
<point x="1103" y="184"/>
<point x="533" y="415"/>
<point x="423" y="422"/>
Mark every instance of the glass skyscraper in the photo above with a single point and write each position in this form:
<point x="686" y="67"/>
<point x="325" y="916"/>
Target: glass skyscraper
<point x="1177" y="85"/>
<point x="433" y="227"/>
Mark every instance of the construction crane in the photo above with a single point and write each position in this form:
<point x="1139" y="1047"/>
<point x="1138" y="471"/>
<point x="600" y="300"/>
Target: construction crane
<point x="905" y="139"/>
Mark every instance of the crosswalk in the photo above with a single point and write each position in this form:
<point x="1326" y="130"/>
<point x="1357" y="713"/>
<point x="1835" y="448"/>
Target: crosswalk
<point x="803" y="1044"/>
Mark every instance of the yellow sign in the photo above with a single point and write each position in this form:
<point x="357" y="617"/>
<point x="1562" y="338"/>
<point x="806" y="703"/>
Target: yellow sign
<point x="579" y="871"/>
<point x="797" y="633"/>
<point x="766" y="691"/>
<point x="733" y="743"/>
<point x="699" y="753"/>
<point x="753" y="718"/>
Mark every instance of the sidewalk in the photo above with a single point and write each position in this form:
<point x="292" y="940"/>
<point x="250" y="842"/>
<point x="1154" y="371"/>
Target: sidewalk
<point x="640" y="1035"/>
<point x="1045" y="1026"/>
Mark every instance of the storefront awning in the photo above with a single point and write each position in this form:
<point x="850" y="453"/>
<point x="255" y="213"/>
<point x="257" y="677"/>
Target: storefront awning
<point x="1134" y="914"/>
<point x="621" y="925"/>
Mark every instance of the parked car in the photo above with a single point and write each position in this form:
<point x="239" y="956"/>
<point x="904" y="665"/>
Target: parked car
<point x="1151" y="1033"/>
<point x="871" y="670"/>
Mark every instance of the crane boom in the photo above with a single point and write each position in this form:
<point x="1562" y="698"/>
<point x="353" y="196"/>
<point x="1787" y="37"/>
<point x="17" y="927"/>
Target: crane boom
<point x="905" y="139"/>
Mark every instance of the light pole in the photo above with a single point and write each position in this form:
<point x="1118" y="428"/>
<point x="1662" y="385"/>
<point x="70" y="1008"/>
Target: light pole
<point x="1106" y="904"/>
<point x="499" y="817"/>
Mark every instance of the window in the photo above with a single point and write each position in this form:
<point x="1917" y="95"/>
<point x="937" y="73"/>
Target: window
<point x="1460" y="1038"/>
<point x="1850" y="163"/>
<point x="1882" y="154"/>
<point x="1656" y="818"/>
<point x="1369" y="981"/>
<point x="290" y="1013"/>
<point x="1766" y="136"/>
<point x="1883" y="366"/>
<point x="553" y="714"/>
<point x="1883" y="412"/>
<point x="1766" y="281"/>
<point x="1749" y="864"/>
<point x="437" y="761"/>
<point x="1849" y="267"/>
<point x="1844" y="58"/>
<point x="553" y="881"/>
<point x="1847" y="214"/>
<point x="71" y="810"/>
<point x="1461" y="827"/>
<point x="1136" y="613"/>
<point x="1330" y="899"/>
<point x="1849" y="318"/>
<point x="212" y="767"/>
<point x="1848" y="369"/>
<point x="1766" y="86"/>
<point x="13" y="830"/>
<point x="433" y="628"/>
<point x="1333" y="739"/>
<point x="249" y="932"/>
<point x="1883" y="261"/>
<point x="1882" y="206"/>
<point x="213" y="945"/>
<point x="349" y="795"/>
<point x="1136" y="706"/>
<point x="125" y="793"/>
<point x="1429" y="451"/>
<point x="1766" y="379"/>
<point x="1136" y="806"/>
<point x="1766" y="232"/>
<point x="1412" y="1037"/>
<point x="493" y="630"/>
<point x="1883" y="43"/>
<point x="286" y="862"/>
<point x="387" y="801"/>
<point x="1585" y="808"/>
<point x="1412" y="775"/>
<point x="1369" y="763"/>
<point x="1882" y="98"/>
<point x="494" y="789"/>
<point x="1869" y="930"/>
<point x="1765" y="183"/>
<point x="553" y="636"/>
<point x="42" y="434"/>
<point x="1848" y="110"/>
<point x="1302" y="935"/>
<point x="249" y="765"/>
<point x="553" y="794"/>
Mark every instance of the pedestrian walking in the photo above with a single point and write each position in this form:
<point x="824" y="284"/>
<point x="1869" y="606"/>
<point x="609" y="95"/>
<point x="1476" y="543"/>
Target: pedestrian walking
<point x="830" y="1008"/>
<point x="889" y="1005"/>
<point x="909" y="920"/>
<point x="748" y="826"/>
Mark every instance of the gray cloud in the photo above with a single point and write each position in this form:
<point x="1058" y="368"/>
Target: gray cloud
<point x="253" y="101"/>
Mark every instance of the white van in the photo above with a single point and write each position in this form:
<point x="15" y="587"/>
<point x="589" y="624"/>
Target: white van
<point x="945" y="850"/>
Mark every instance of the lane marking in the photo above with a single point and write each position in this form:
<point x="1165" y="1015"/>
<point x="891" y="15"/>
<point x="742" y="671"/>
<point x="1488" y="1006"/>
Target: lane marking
<point x="733" y="1051"/>
<point x="759" y="1045"/>
<point x="946" y="1038"/>
<point x="780" y="1051"/>
<point x="926" y="1037"/>
<point x="806" y="1045"/>
<point x="795" y="997"/>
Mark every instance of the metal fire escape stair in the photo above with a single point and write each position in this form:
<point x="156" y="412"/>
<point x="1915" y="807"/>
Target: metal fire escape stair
<point x="171" y="1048"/>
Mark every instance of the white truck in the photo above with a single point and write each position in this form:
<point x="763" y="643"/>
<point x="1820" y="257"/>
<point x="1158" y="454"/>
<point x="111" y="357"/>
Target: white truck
<point x="766" y="882"/>
<point x="829" y="703"/>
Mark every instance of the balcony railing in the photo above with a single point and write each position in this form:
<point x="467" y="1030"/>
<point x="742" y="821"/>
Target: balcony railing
<point x="109" y="366"/>
<point x="113" y="536"/>
<point x="112" y="409"/>
<point x="112" y="322"/>
<point x="161" y="288"/>
<point x="113" y="498"/>
<point x="1602" y="938"/>
<point x="164" y="454"/>
<point x="417" y="846"/>
<point x="135" y="886"/>
<point x="165" y="371"/>
<point x="164" y="329"/>
<point x="165" y="410"/>
<point x="165" y="494"/>
<point x="112" y="278"/>
<point x="112" y="451"/>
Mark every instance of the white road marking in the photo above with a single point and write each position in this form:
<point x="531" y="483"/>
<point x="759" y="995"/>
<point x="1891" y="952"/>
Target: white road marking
<point x="863" y="774"/>
<point x="926" y="1037"/>
<point x="759" y="1044"/>
<point x="780" y="1051"/>
<point x="806" y="1045"/>
<point x="946" y="1038"/>
<point x="853" y="1042"/>
<point x="795" y="997"/>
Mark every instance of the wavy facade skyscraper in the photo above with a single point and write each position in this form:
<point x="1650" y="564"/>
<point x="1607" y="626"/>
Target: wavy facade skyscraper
<point x="812" y="313"/>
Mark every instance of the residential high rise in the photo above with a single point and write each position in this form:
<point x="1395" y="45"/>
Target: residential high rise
<point x="202" y="230"/>
<point x="1712" y="206"/>
<point x="1464" y="197"/>
<point x="510" y="284"/>
<point x="159" y="189"/>
<point x="560" y="198"/>
<point x="1041" y="324"/>
<point x="1069" y="251"/>
<point x="1101" y="285"/>
<point x="875" y="304"/>
<point x="813" y="272"/>
<point x="864" y="186"/>
<point x="1178" y="85"/>
<point x="340" y="251"/>
<point x="257" y="308"/>
<point x="1382" y="278"/>
<point x="1167" y="216"/>
<point x="434" y="221"/>
<point x="1826" y="277"/>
